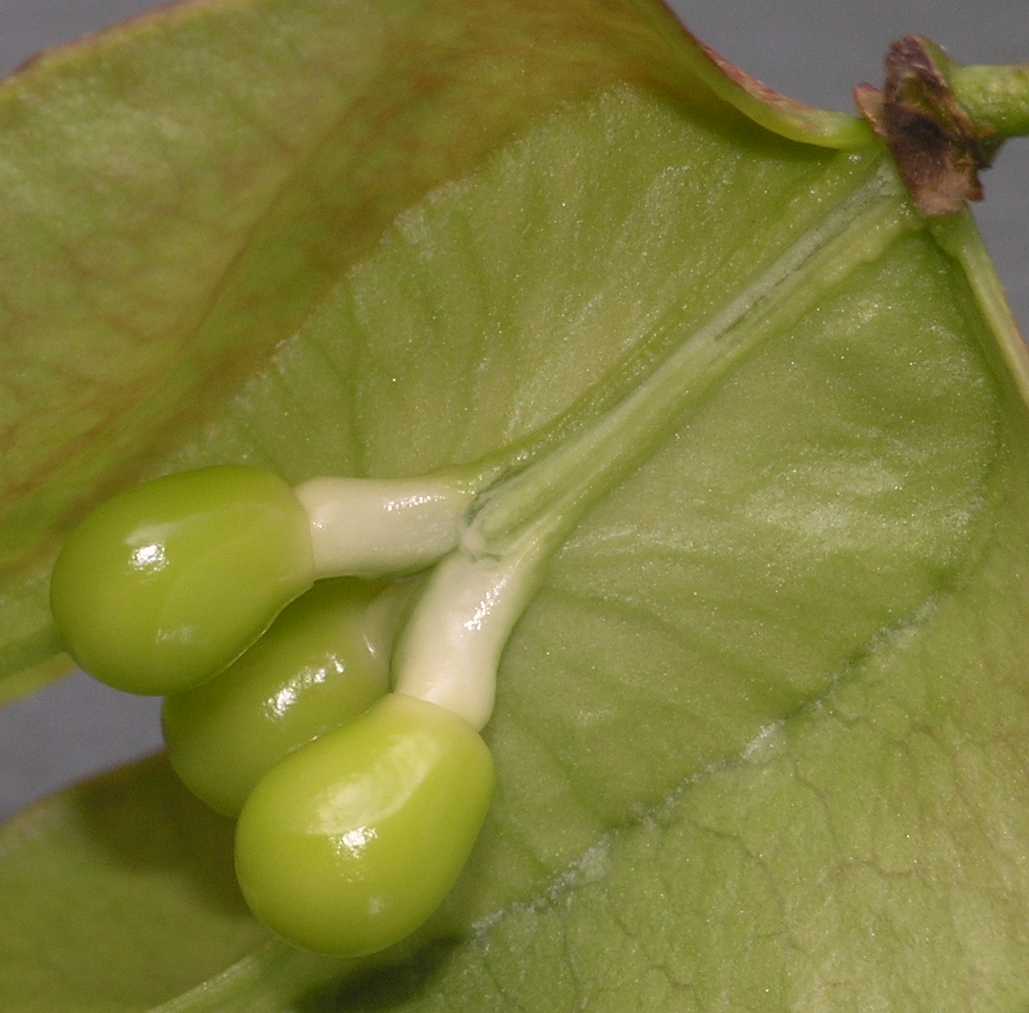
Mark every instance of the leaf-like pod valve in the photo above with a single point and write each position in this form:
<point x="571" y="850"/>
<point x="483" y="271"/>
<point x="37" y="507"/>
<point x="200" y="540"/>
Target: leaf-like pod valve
<point x="351" y="843"/>
<point x="164" y="585"/>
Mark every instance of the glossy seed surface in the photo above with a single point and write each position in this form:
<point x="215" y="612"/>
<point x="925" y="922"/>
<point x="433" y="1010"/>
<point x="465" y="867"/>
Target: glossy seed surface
<point x="164" y="585"/>
<point x="324" y="660"/>
<point x="350" y="844"/>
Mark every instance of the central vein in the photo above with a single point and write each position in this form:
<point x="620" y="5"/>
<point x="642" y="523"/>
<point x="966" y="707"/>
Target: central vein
<point x="553" y="492"/>
<point x="450" y="652"/>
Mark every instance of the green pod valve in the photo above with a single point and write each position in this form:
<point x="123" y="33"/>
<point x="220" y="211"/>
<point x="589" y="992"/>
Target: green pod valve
<point x="351" y="843"/>
<point x="164" y="585"/>
<point x="323" y="662"/>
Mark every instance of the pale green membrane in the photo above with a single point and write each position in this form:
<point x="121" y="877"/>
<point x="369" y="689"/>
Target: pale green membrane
<point x="821" y="498"/>
<point x="827" y="496"/>
<point x="757" y="738"/>
<point x="867" y="852"/>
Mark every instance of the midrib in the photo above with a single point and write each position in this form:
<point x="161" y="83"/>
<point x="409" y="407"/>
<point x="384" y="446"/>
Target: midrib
<point x="574" y="462"/>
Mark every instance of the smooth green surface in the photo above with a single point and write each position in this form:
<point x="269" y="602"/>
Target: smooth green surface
<point x="324" y="660"/>
<point x="760" y="738"/>
<point x="165" y="584"/>
<point x="348" y="845"/>
<point x="79" y="937"/>
<point x="997" y="98"/>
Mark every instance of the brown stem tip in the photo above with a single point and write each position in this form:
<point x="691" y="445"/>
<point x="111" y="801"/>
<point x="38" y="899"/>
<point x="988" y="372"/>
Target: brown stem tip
<point x="938" y="149"/>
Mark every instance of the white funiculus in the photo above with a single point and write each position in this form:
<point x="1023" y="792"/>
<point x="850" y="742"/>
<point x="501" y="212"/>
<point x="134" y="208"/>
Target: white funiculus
<point x="451" y="646"/>
<point x="450" y="650"/>
<point x="372" y="527"/>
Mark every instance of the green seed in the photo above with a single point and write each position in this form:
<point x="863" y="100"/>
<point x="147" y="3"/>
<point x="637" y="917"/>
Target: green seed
<point x="323" y="661"/>
<point x="351" y="843"/>
<point x="163" y="586"/>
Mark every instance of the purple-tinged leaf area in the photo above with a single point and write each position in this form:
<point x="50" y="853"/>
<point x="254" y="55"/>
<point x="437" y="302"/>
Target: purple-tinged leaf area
<point x="773" y="110"/>
<point x="219" y="165"/>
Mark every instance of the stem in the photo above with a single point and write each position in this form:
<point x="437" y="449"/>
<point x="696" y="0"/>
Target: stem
<point x="996" y="98"/>
<point x="943" y="123"/>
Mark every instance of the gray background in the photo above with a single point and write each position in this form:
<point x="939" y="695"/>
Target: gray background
<point x="810" y="49"/>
